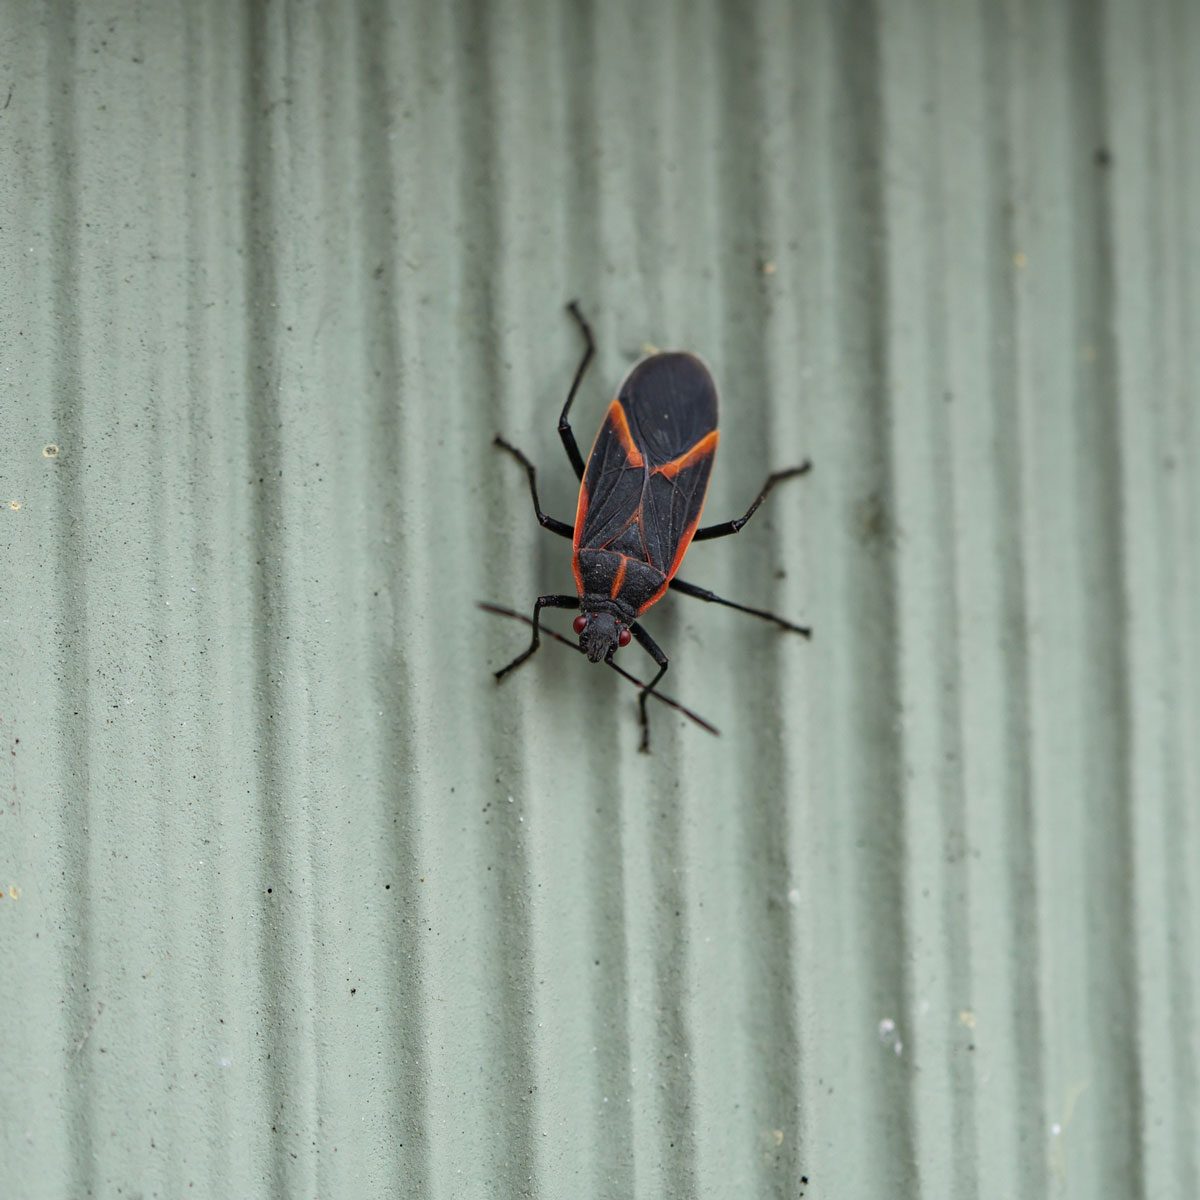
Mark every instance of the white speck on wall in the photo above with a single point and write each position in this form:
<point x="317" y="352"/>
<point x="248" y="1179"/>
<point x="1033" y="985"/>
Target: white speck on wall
<point x="889" y="1035"/>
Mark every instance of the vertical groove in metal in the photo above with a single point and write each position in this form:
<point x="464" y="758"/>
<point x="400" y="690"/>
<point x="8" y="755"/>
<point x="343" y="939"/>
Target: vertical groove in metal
<point x="66" y="418"/>
<point x="294" y="899"/>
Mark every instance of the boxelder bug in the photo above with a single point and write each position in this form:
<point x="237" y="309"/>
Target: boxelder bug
<point x="640" y="496"/>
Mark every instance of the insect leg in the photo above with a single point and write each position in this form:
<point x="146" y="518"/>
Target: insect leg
<point x="652" y="648"/>
<point x="540" y="603"/>
<point x="728" y="527"/>
<point x="564" y="426"/>
<point x="551" y="523"/>
<point x="690" y="589"/>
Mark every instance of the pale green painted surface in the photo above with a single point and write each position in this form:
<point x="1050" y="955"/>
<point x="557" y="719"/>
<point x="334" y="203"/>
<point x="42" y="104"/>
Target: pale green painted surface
<point x="297" y="903"/>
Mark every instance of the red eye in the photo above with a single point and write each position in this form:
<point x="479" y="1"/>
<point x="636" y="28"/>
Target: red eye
<point x="579" y="624"/>
<point x="623" y="638"/>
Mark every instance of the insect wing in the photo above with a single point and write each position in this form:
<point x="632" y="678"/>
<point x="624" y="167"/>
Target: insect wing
<point x="646" y="480"/>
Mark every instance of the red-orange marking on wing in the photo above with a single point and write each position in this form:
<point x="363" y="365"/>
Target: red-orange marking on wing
<point x="616" y="414"/>
<point x="619" y="578"/>
<point x="684" y="543"/>
<point x="580" y="513"/>
<point x="707" y="445"/>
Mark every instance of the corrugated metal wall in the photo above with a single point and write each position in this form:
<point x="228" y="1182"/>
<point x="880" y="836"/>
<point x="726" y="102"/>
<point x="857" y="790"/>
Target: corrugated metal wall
<point x="297" y="902"/>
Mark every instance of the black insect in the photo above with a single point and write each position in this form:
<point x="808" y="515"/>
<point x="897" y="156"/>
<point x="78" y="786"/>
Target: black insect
<point x="641" y="493"/>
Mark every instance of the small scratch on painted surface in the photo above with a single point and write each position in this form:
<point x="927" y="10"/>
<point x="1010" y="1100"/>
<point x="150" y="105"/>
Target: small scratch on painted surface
<point x="12" y="763"/>
<point x="1058" y="1150"/>
<point x="87" y="1033"/>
